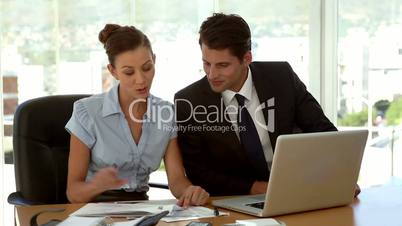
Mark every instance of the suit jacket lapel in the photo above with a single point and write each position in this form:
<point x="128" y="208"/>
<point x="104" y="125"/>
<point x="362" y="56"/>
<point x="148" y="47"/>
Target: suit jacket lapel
<point x="266" y="96"/>
<point x="215" y="99"/>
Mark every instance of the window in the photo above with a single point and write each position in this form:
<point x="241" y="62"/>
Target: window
<point x="173" y="32"/>
<point x="370" y="78"/>
<point x="280" y="32"/>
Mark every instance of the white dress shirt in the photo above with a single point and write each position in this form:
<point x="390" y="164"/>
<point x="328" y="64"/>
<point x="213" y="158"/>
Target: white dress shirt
<point x="251" y="103"/>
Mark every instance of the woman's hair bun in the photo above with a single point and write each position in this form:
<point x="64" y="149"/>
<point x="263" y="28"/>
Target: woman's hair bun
<point x="105" y="33"/>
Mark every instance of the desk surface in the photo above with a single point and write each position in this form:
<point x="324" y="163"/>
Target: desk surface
<point x="375" y="206"/>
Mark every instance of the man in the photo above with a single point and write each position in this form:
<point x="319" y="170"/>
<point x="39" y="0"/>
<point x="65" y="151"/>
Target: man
<point x="228" y="121"/>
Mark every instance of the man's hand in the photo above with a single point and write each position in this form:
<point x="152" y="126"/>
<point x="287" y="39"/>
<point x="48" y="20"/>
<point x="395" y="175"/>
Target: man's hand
<point x="259" y="187"/>
<point x="193" y="196"/>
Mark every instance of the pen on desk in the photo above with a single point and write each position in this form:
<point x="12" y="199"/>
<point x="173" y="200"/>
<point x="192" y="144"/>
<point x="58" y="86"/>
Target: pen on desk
<point x="216" y="211"/>
<point x="128" y="202"/>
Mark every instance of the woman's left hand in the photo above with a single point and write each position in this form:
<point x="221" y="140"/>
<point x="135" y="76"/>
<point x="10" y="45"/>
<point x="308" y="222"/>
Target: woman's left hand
<point x="193" y="196"/>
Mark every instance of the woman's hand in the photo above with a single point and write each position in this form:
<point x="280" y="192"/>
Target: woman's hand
<point x="193" y="196"/>
<point x="107" y="179"/>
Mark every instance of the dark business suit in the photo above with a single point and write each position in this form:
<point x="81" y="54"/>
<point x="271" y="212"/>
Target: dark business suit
<point x="216" y="160"/>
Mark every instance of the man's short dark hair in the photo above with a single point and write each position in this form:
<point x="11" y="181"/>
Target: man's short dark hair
<point x="221" y="31"/>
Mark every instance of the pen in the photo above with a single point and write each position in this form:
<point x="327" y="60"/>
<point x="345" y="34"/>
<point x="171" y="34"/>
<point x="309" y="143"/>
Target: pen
<point x="128" y="202"/>
<point x="216" y="212"/>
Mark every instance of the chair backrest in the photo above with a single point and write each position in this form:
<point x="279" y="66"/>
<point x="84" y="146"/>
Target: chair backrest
<point x="41" y="148"/>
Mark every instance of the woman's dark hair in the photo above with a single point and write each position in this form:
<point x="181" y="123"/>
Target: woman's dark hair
<point x="117" y="39"/>
<point x="221" y="31"/>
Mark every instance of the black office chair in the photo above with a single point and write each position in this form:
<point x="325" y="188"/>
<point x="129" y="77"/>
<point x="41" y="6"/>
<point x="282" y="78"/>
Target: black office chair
<point x="41" y="149"/>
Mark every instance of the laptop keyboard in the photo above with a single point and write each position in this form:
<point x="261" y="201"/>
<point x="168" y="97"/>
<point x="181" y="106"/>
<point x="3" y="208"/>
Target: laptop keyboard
<point x="258" y="205"/>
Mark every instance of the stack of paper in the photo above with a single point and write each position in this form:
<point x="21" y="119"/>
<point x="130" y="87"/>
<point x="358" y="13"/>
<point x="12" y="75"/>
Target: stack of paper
<point x="95" y="221"/>
<point x="120" y="210"/>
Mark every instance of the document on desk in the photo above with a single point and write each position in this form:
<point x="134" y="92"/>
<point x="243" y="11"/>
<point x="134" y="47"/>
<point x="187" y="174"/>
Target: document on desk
<point x="143" y="209"/>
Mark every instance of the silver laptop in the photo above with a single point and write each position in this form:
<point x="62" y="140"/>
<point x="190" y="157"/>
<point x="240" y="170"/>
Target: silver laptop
<point x="309" y="171"/>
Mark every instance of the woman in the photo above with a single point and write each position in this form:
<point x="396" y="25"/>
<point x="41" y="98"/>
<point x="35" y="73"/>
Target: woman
<point x="118" y="138"/>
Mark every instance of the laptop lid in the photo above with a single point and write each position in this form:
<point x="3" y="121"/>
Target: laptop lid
<point x="310" y="171"/>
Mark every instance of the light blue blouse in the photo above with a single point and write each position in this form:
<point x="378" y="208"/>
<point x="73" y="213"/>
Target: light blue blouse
<point x="100" y="124"/>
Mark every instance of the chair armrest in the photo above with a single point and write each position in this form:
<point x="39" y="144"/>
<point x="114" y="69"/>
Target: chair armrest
<point x="158" y="185"/>
<point x="16" y="198"/>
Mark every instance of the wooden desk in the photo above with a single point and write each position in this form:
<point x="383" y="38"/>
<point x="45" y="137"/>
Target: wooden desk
<point x="375" y="206"/>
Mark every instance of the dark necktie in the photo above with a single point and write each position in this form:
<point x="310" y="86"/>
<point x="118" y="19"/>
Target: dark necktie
<point x="250" y="140"/>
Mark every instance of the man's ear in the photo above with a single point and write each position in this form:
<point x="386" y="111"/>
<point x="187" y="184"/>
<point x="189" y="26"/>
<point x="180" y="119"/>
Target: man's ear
<point x="247" y="58"/>
<point x="112" y="70"/>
